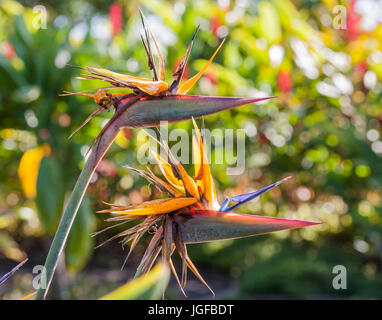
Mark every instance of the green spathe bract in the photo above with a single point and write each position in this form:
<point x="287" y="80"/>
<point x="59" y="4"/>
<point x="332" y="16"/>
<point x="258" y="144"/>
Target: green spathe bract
<point x="205" y="226"/>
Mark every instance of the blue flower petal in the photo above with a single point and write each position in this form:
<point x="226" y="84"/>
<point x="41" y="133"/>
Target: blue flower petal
<point x="225" y="204"/>
<point x="10" y="273"/>
<point x="244" y="198"/>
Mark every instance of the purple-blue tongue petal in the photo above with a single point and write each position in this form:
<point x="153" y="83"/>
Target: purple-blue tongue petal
<point x="244" y="198"/>
<point x="225" y="204"/>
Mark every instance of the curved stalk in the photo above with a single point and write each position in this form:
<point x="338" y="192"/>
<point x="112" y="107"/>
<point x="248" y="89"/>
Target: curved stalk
<point x="106" y="138"/>
<point x="72" y="206"/>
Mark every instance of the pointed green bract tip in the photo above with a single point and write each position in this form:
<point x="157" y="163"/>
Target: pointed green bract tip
<point x="176" y="108"/>
<point x="209" y="225"/>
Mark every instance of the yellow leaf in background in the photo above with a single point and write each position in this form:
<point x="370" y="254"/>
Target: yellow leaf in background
<point x="269" y="22"/>
<point x="121" y="140"/>
<point x="28" y="169"/>
<point x="12" y="7"/>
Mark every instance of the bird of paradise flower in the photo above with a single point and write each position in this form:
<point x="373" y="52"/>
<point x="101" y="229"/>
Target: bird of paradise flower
<point x="150" y="103"/>
<point x="144" y="88"/>
<point x="191" y="213"/>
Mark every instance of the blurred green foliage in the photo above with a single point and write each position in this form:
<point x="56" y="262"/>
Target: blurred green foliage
<point x="323" y="129"/>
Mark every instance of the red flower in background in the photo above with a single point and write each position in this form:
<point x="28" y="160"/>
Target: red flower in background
<point x="107" y="168"/>
<point x="284" y="81"/>
<point x="361" y="68"/>
<point x="115" y="16"/>
<point x="128" y="133"/>
<point x="212" y="78"/>
<point x="262" y="138"/>
<point x="352" y="22"/>
<point x="215" y="24"/>
<point x="8" y="50"/>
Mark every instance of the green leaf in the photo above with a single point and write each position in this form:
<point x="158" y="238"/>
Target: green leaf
<point x="148" y="286"/>
<point x="26" y="94"/>
<point x="50" y="194"/>
<point x="8" y="73"/>
<point x="22" y="30"/>
<point x="269" y="22"/>
<point x="80" y="244"/>
<point x="102" y="145"/>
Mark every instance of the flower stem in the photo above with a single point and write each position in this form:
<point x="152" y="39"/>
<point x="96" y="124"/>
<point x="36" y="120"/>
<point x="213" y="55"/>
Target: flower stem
<point x="104" y="141"/>
<point x="72" y="206"/>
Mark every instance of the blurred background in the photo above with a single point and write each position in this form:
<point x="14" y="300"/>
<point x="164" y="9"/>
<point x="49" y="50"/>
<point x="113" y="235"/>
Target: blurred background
<point x="323" y="61"/>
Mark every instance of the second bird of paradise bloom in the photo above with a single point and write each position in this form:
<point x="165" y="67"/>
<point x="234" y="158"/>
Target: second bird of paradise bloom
<point x="190" y="213"/>
<point x="155" y="91"/>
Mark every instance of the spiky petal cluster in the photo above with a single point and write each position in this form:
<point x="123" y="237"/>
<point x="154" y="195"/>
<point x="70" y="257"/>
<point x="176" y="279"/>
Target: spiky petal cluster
<point x="142" y="87"/>
<point x="190" y="214"/>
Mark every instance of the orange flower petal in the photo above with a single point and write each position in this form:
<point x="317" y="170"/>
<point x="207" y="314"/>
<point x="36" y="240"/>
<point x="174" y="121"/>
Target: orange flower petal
<point x="159" y="206"/>
<point x="204" y="174"/>
<point x="170" y="189"/>
<point x="196" y="156"/>
<point x="146" y="85"/>
<point x="29" y="296"/>
<point x="187" y="85"/>
<point x="166" y="169"/>
<point x="189" y="184"/>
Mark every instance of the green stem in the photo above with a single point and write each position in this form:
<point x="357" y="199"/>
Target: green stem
<point x="104" y="141"/>
<point x="72" y="206"/>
